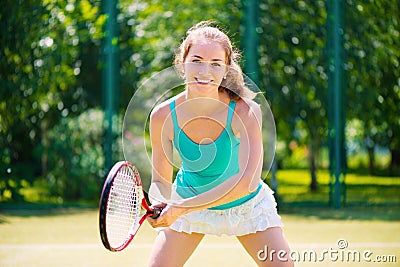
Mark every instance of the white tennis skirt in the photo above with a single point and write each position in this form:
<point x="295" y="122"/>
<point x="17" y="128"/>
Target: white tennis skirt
<point x="256" y="214"/>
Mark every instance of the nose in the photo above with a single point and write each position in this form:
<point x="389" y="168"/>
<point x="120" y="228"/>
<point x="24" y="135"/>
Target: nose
<point x="205" y="68"/>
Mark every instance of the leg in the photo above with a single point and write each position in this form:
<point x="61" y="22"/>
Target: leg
<point x="172" y="248"/>
<point x="268" y="247"/>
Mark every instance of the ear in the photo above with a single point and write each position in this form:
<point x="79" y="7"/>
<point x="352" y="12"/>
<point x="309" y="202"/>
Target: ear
<point x="181" y="69"/>
<point x="227" y="71"/>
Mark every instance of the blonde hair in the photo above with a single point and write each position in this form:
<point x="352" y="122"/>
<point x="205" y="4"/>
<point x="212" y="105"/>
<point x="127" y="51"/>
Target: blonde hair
<point x="234" y="83"/>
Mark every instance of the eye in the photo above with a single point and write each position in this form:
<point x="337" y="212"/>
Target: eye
<point x="196" y="61"/>
<point x="215" y="64"/>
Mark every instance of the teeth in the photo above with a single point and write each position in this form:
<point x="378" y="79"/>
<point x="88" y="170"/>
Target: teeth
<point x="203" y="81"/>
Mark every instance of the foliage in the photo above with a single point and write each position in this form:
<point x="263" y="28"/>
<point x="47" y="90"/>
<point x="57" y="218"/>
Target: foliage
<point x="50" y="74"/>
<point x="76" y="157"/>
<point x="293" y="66"/>
<point x="372" y="47"/>
<point x="41" y="79"/>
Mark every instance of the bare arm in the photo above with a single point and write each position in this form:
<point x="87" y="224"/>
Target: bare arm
<point x="162" y="169"/>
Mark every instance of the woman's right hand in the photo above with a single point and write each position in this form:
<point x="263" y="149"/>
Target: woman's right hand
<point x="168" y="216"/>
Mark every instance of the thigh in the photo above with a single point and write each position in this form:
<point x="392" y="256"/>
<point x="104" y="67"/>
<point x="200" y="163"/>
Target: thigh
<point x="172" y="248"/>
<point x="268" y="247"/>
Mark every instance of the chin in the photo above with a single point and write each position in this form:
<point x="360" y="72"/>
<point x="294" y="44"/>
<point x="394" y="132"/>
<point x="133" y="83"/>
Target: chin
<point x="201" y="89"/>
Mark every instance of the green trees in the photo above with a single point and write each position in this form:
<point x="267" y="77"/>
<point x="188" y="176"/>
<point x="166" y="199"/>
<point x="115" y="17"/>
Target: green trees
<point x="293" y="66"/>
<point x="372" y="46"/>
<point x="50" y="74"/>
<point x="294" y="72"/>
<point x="45" y="46"/>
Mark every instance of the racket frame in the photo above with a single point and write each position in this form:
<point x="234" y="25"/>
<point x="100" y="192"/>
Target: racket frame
<point x="154" y="213"/>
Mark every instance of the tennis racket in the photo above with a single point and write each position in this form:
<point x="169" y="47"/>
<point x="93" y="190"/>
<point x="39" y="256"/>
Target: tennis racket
<point x="120" y="208"/>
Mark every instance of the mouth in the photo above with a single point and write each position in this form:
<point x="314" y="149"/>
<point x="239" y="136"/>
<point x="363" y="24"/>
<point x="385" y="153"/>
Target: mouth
<point x="203" y="81"/>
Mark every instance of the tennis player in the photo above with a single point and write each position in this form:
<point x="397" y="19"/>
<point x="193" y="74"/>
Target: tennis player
<point x="216" y="128"/>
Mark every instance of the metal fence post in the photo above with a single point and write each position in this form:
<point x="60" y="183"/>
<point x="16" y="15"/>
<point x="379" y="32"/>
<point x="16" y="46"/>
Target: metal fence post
<point x="336" y="100"/>
<point x="110" y="76"/>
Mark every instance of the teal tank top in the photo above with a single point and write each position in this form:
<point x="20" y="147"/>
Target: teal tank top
<point x="204" y="166"/>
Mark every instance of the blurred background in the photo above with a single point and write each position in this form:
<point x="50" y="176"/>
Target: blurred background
<point x="68" y="69"/>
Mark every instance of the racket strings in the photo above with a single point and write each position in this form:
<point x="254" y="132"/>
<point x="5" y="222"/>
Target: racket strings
<point x="124" y="206"/>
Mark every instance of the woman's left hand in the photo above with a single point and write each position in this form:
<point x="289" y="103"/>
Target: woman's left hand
<point x="168" y="216"/>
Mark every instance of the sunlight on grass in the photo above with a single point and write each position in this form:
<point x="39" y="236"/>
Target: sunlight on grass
<point x="70" y="237"/>
<point x="41" y="235"/>
<point x="294" y="187"/>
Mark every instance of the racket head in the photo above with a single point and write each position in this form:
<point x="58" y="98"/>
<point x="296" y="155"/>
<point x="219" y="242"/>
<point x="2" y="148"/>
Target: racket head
<point x="120" y="206"/>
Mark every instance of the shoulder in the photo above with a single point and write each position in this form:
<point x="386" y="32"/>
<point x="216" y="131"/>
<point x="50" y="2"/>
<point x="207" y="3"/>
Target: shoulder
<point x="247" y="117"/>
<point x="248" y="110"/>
<point x="161" y="111"/>
<point x="160" y="119"/>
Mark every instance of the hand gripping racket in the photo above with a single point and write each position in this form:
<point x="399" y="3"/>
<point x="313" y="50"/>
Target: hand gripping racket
<point x="120" y="206"/>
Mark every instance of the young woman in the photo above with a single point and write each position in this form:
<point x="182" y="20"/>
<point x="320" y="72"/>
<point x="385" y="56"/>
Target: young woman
<point x="216" y="128"/>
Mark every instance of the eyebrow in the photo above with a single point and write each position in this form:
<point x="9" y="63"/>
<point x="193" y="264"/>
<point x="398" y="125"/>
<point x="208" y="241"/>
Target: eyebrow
<point x="199" y="57"/>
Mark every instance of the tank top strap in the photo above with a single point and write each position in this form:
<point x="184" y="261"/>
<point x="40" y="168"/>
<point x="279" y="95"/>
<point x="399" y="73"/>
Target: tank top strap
<point x="231" y="109"/>
<point x="173" y="116"/>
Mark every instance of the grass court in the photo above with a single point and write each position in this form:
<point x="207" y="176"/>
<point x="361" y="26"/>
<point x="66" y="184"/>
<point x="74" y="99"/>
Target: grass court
<point x="49" y="235"/>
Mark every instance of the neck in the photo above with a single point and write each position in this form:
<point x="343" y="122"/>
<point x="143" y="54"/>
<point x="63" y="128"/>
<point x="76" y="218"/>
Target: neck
<point x="206" y="105"/>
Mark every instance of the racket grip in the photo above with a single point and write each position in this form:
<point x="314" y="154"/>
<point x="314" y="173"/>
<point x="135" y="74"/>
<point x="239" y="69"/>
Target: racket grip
<point x="156" y="213"/>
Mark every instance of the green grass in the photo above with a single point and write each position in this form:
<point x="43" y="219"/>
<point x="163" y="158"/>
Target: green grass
<point x="59" y="235"/>
<point x="293" y="187"/>
<point x="42" y="236"/>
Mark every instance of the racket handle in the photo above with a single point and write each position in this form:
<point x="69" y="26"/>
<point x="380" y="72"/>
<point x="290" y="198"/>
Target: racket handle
<point x="156" y="213"/>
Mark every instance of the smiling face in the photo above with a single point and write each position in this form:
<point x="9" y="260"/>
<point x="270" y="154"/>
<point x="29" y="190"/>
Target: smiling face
<point x="205" y="67"/>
